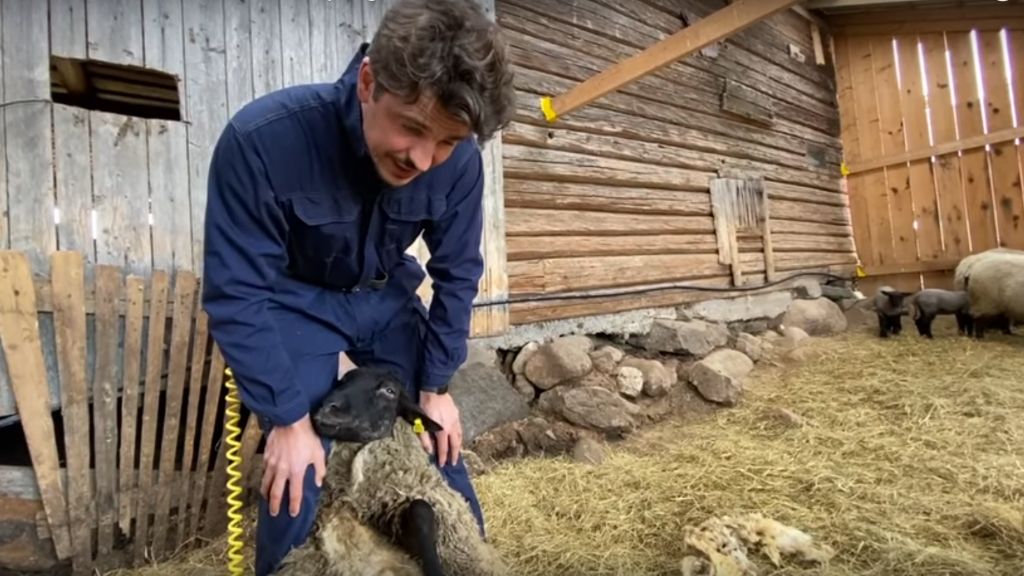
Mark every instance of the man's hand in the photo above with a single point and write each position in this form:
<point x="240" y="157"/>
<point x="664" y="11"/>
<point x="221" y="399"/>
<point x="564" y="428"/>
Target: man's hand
<point x="441" y="408"/>
<point x="289" y="452"/>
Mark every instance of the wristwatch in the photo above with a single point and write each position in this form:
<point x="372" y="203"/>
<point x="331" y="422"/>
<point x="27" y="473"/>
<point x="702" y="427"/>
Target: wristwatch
<point x="443" y="389"/>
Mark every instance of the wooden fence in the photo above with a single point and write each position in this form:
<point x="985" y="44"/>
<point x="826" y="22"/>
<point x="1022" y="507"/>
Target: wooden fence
<point x="137" y="475"/>
<point x="932" y="115"/>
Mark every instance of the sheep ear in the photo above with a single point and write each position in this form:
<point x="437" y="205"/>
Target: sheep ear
<point x="409" y="410"/>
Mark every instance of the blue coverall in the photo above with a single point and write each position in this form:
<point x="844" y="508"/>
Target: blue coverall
<point x="305" y="257"/>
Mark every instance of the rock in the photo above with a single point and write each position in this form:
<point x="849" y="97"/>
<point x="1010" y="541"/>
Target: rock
<point x="719" y="377"/>
<point x="818" y="317"/>
<point x="474" y="464"/>
<point x="683" y="371"/>
<point x="694" y="337"/>
<point x="588" y="451"/>
<point x="519" y="365"/>
<point x="630" y="381"/>
<point x="531" y="436"/>
<point x="747" y="307"/>
<point x="591" y="407"/>
<point x="477" y="353"/>
<point x="594" y="378"/>
<point x="657" y="379"/>
<point x="759" y="326"/>
<point x="792" y="338"/>
<point x="750" y="345"/>
<point x="485" y="399"/>
<point x="524" y="388"/>
<point x="554" y="363"/>
<point x="807" y="289"/>
<point x="606" y="358"/>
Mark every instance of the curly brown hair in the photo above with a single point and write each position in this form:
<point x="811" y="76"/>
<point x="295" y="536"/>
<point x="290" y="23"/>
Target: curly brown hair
<point x="451" y="50"/>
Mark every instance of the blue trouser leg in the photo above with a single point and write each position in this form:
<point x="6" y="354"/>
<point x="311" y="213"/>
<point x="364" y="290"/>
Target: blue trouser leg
<point x="275" y="536"/>
<point x="399" y="346"/>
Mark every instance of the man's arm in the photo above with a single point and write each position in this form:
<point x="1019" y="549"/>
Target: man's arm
<point x="244" y="252"/>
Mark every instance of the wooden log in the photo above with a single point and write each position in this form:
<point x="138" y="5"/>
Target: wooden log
<point x="565" y="274"/>
<point x="196" y="372"/>
<point x="68" y="278"/>
<point x="548" y="247"/>
<point x="539" y="222"/>
<point x="115" y="31"/>
<point x="109" y="286"/>
<point x="783" y="191"/>
<point x="19" y="336"/>
<point x="602" y="198"/>
<point x="128" y="493"/>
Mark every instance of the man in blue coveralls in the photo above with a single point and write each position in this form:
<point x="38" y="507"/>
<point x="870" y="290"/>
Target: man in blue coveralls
<point x="315" y="193"/>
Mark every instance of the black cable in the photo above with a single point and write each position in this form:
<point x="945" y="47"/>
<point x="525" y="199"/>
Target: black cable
<point x="648" y="289"/>
<point x="25" y="101"/>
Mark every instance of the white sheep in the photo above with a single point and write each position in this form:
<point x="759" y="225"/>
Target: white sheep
<point x="963" y="269"/>
<point x="385" y="509"/>
<point x="995" y="289"/>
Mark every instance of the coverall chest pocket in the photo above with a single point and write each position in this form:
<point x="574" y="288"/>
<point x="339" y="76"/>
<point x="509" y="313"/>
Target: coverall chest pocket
<point x="324" y="239"/>
<point x="406" y="214"/>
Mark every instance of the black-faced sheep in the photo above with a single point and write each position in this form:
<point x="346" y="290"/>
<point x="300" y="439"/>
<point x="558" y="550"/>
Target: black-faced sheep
<point x="995" y="289"/>
<point x="890" y="307"/>
<point x="385" y="509"/>
<point x="932" y="302"/>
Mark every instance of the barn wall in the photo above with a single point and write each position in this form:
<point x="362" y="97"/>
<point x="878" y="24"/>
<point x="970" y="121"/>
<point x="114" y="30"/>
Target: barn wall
<point x="616" y="194"/>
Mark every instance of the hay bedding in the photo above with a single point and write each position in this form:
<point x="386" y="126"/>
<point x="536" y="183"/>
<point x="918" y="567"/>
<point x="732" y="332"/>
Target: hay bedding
<point x="905" y="456"/>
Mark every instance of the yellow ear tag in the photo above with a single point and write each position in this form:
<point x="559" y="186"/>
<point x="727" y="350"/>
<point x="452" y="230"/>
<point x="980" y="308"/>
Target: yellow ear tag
<point x="417" y="426"/>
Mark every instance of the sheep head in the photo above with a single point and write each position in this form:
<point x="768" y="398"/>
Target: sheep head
<point x="363" y="406"/>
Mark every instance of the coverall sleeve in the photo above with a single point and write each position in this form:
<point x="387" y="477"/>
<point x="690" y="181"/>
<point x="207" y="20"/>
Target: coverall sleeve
<point x="455" y="267"/>
<point x="244" y="252"/>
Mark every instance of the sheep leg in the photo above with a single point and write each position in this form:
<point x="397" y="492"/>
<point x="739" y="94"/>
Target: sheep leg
<point x="924" y="325"/>
<point x="883" y="325"/>
<point x="418" y="536"/>
<point x="964" y="324"/>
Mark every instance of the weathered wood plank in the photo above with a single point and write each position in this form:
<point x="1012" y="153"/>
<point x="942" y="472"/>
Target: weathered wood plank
<point x="265" y="26"/>
<point x="602" y="198"/>
<point x="121" y="191"/>
<point x="348" y="22"/>
<point x="169" y="188"/>
<point x="547" y="247"/>
<point x="565" y="274"/>
<point x="323" y="47"/>
<point x="205" y="64"/>
<point x="974" y="164"/>
<point x="238" y="41"/>
<point x="19" y="336"/>
<point x="68" y="280"/>
<point x="115" y="31"/>
<point x="213" y="388"/>
<point x="181" y="331"/>
<point x="135" y="291"/>
<point x="104" y="393"/>
<point x="197" y="366"/>
<point x="295" y="37"/>
<point x="1016" y="52"/>
<point x="73" y="179"/>
<point x="952" y="209"/>
<point x="998" y="109"/>
<point x="539" y="222"/>
<point x="158" y="288"/>
<point x="67" y="28"/>
<point x="784" y="191"/>
<point x="4" y="227"/>
<point x="25" y="51"/>
<point x="164" y="46"/>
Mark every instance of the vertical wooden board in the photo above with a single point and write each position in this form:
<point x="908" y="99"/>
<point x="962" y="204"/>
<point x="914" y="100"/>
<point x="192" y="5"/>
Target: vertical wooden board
<point x="897" y="177"/>
<point x="73" y="179"/>
<point x="197" y="366"/>
<point x="494" y="282"/>
<point x="25" y="51"/>
<point x="322" y="45"/>
<point x="104" y="393"/>
<point x="913" y="106"/>
<point x="151" y="402"/>
<point x="851" y="146"/>
<point x="871" y="184"/>
<point x="184" y="307"/>
<point x="167" y="145"/>
<point x="952" y="209"/>
<point x="115" y="31"/>
<point x="68" y="289"/>
<point x="212" y="394"/>
<point x="265" y="20"/>
<point x="67" y="28"/>
<point x="19" y="336"/>
<point x="1016" y="52"/>
<point x="164" y="46"/>
<point x="371" y="18"/>
<point x="295" y="57"/>
<point x="974" y="164"/>
<point x="120" y="190"/>
<point x="238" y="42"/>
<point x="1006" y="176"/>
<point x="207" y="103"/>
<point x="135" y="292"/>
<point x="348" y="18"/>
<point x="4" y="228"/>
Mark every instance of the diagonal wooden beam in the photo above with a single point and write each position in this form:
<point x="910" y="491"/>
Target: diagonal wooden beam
<point x="722" y="23"/>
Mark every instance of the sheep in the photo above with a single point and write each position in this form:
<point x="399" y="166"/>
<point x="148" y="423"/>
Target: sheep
<point x="995" y="289"/>
<point x="385" y="509"/>
<point x="931" y="302"/>
<point x="890" y="307"/>
<point x="963" y="271"/>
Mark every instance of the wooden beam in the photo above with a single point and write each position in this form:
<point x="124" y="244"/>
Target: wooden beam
<point x="715" y="27"/>
<point x="947" y="148"/>
<point x="911" y="267"/>
<point x="820" y="4"/>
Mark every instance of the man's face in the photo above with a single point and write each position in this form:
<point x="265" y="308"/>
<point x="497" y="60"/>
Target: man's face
<point x="405" y="139"/>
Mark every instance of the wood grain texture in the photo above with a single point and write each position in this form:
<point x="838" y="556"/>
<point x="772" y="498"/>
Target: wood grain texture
<point x="109" y="286"/>
<point x="73" y="180"/>
<point x="115" y="31"/>
<point x="196" y="372"/>
<point x="131" y="389"/>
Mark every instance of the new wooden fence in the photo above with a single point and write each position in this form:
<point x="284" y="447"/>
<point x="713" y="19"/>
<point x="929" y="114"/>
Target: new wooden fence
<point x="142" y="403"/>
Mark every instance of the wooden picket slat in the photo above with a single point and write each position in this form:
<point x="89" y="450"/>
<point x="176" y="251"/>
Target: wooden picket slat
<point x="151" y="399"/>
<point x="181" y="331"/>
<point x="19" y="335"/>
<point x="197" y="367"/>
<point x="1016" y="52"/>
<point x="214" y="383"/>
<point x="952" y="208"/>
<point x="922" y="184"/>
<point x="981" y="216"/>
<point x="68" y="281"/>
<point x="104" y="392"/>
<point x="135" y="291"/>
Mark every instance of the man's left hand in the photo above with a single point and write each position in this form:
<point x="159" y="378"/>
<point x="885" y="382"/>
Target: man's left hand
<point x="442" y="409"/>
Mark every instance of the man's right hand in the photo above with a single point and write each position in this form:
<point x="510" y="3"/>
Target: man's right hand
<point x="289" y="452"/>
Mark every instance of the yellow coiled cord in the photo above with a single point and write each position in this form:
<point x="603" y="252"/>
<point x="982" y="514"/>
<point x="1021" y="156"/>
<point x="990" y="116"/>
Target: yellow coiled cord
<point x="232" y="415"/>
